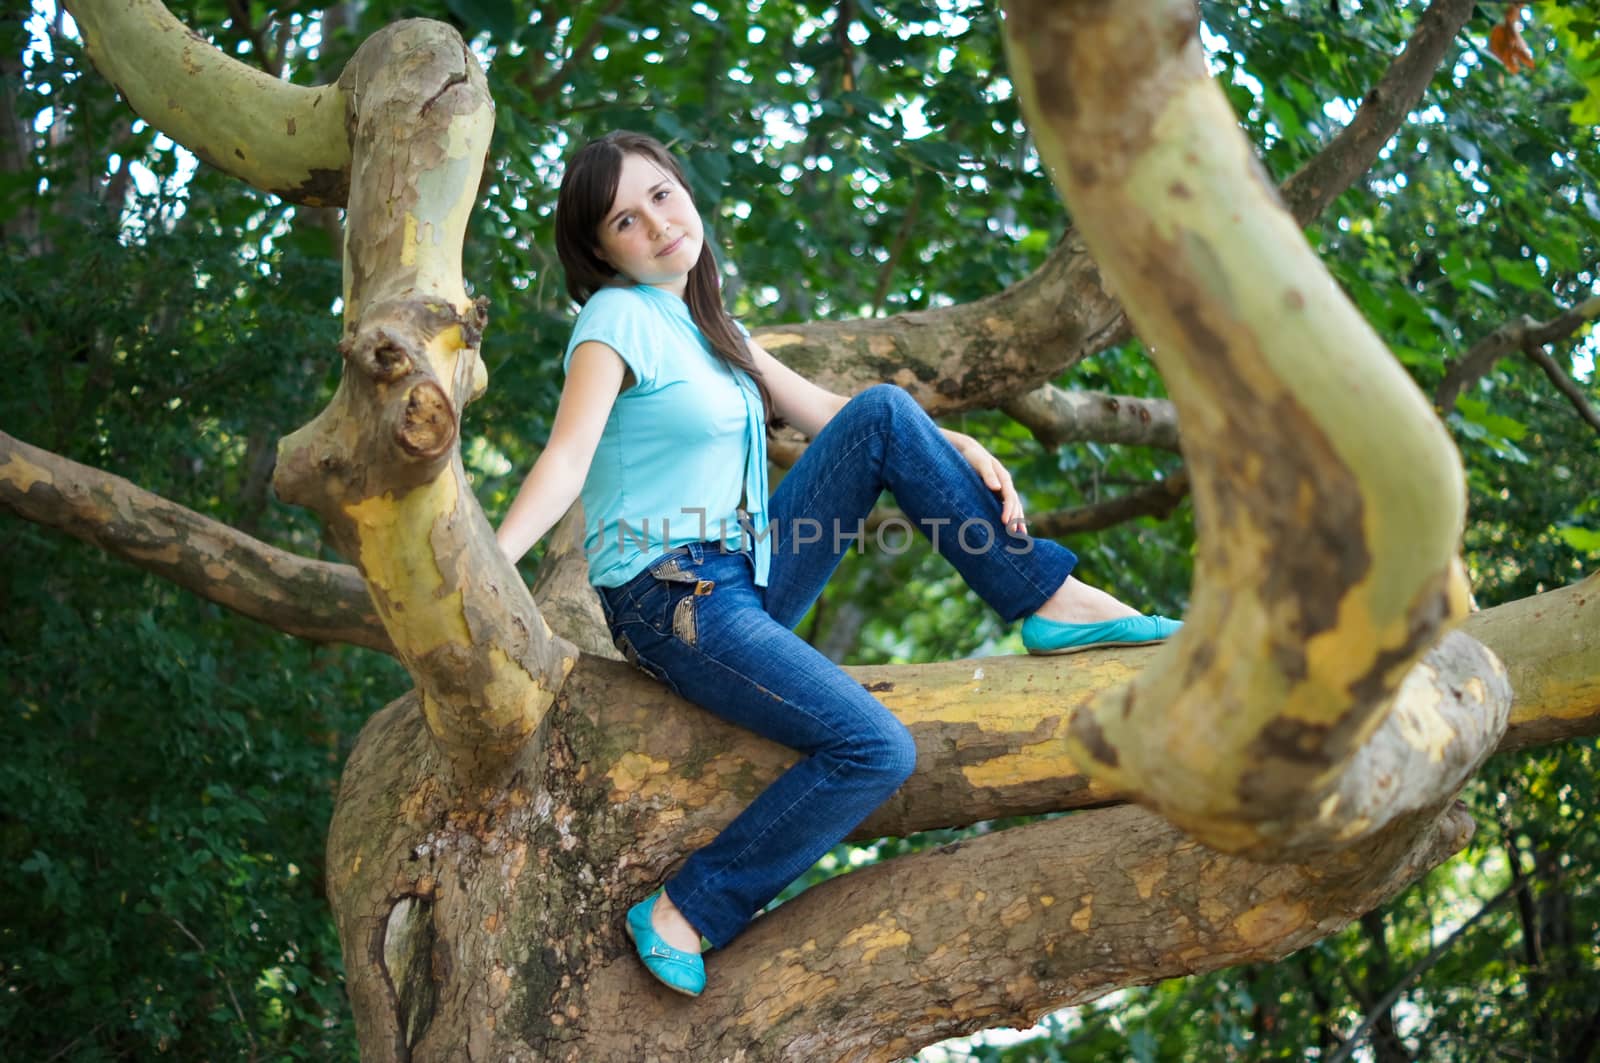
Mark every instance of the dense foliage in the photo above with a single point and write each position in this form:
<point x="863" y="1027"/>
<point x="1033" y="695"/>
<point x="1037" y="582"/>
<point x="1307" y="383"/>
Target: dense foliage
<point x="172" y="767"/>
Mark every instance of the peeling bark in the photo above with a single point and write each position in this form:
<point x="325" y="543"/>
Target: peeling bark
<point x="528" y="892"/>
<point x="381" y="464"/>
<point x="1328" y="498"/>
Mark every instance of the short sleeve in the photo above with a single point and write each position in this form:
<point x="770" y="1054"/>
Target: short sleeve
<point x="619" y="319"/>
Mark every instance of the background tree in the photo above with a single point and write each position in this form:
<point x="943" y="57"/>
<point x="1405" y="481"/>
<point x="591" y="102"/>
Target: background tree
<point x="215" y="943"/>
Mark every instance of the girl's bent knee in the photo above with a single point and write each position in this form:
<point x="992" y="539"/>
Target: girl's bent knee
<point x="900" y="755"/>
<point x="886" y="754"/>
<point x="884" y="401"/>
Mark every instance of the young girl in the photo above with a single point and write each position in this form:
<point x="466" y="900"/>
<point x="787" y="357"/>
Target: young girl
<point x="662" y="429"/>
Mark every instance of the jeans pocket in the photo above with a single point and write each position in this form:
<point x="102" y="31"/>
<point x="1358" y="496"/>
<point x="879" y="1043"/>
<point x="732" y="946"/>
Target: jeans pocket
<point x="680" y="579"/>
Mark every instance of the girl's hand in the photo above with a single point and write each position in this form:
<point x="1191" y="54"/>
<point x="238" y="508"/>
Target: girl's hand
<point x="995" y="477"/>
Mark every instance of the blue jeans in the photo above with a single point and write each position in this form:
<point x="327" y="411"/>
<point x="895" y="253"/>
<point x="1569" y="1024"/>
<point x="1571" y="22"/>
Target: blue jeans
<point x="696" y="621"/>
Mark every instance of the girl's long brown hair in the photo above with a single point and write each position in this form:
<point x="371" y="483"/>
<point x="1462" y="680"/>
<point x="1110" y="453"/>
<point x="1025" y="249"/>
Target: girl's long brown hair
<point x="587" y="190"/>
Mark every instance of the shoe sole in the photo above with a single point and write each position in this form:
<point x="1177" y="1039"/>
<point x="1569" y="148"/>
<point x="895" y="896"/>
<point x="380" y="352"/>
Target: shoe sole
<point x="1093" y="646"/>
<point x="659" y="980"/>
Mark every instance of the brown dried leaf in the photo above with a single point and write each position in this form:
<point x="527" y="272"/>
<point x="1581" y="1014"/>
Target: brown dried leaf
<point x="1507" y="43"/>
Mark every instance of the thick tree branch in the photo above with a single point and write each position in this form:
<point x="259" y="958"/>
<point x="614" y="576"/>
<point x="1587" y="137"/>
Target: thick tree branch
<point x="282" y="138"/>
<point x="1056" y="416"/>
<point x="991" y="732"/>
<point x="382" y="462"/>
<point x="1550" y="645"/>
<point x="633" y="778"/>
<point x="1348" y="155"/>
<point x="1327" y="549"/>
<point x="1523" y="334"/>
<point x="973" y="356"/>
<point x="312" y="599"/>
<point x="1004" y="927"/>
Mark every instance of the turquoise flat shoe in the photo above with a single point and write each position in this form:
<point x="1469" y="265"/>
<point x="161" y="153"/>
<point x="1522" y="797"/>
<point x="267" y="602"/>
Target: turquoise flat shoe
<point x="1043" y="637"/>
<point x="681" y="972"/>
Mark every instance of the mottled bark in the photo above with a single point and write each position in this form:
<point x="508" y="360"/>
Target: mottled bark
<point x="312" y="599"/>
<point x="637" y="777"/>
<point x="1056" y="416"/>
<point x="381" y="464"/>
<point x="286" y="139"/>
<point x="1550" y="644"/>
<point x="519" y="901"/>
<point x="1328" y="499"/>
<point x="493" y="825"/>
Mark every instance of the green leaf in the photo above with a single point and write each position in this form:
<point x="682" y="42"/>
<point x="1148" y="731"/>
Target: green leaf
<point x="1583" y="539"/>
<point x="1477" y="412"/>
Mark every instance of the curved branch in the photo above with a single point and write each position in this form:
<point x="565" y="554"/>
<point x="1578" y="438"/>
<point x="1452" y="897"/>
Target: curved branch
<point x="1056" y="416"/>
<point x="285" y="139"/>
<point x="1328" y="498"/>
<point x="972" y="356"/>
<point x="382" y="462"/>
<point x="296" y="595"/>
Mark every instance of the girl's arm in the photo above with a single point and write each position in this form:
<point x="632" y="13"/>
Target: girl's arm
<point x="594" y="377"/>
<point x="796" y="399"/>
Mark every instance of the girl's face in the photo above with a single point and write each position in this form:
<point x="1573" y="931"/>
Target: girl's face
<point x="652" y="233"/>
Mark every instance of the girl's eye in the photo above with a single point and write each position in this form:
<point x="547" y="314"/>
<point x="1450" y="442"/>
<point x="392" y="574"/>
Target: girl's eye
<point x="663" y="194"/>
<point x="624" y="222"/>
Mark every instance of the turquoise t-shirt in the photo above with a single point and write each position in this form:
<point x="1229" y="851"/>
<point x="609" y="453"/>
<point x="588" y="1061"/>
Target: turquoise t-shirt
<point x="682" y="447"/>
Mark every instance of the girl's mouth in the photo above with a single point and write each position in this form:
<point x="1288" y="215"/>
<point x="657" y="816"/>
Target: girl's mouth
<point x="670" y="248"/>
